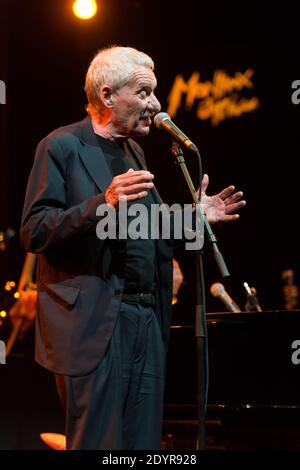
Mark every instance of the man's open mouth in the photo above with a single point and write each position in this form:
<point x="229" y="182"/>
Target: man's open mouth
<point x="147" y="120"/>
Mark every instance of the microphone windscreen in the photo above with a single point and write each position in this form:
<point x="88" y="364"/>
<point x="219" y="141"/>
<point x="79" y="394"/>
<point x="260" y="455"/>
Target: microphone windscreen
<point x="217" y="289"/>
<point x="159" y="117"/>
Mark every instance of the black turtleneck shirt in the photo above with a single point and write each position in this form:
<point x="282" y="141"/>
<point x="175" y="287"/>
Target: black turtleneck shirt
<point x="140" y="253"/>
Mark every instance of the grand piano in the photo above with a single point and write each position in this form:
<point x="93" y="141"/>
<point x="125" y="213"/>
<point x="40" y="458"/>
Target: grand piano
<point x="254" y="383"/>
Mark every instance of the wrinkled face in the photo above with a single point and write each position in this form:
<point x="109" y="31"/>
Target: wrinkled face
<point x="134" y="104"/>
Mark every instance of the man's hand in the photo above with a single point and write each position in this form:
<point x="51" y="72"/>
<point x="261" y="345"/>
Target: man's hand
<point x="129" y="186"/>
<point x="220" y="207"/>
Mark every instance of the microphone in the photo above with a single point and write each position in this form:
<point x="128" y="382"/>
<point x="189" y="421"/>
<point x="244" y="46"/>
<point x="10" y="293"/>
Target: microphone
<point x="252" y="300"/>
<point x="218" y="290"/>
<point x="163" y="121"/>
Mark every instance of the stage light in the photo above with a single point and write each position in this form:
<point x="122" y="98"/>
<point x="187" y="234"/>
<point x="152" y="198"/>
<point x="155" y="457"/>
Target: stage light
<point x="3" y="313"/>
<point x="85" y="9"/>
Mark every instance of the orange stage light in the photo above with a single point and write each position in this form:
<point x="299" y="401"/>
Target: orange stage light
<point x="85" y="9"/>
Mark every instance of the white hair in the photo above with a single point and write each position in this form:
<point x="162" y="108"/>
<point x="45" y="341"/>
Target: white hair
<point x="112" y="66"/>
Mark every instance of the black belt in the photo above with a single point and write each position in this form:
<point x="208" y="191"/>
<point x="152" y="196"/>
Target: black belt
<point x="143" y="298"/>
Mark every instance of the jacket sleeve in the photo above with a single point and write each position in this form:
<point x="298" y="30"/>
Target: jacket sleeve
<point x="46" y="218"/>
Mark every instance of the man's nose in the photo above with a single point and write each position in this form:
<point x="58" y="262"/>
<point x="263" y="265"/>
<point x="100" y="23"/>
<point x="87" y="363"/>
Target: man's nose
<point x="154" y="104"/>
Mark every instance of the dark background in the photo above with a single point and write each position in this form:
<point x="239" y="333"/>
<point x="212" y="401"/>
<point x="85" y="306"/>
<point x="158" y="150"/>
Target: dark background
<point x="45" y="52"/>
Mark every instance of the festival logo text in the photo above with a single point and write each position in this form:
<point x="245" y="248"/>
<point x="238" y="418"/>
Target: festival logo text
<point x="217" y="99"/>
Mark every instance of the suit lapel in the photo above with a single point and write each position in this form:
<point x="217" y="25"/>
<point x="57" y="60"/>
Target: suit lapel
<point x="142" y="165"/>
<point x="92" y="156"/>
<point x="95" y="164"/>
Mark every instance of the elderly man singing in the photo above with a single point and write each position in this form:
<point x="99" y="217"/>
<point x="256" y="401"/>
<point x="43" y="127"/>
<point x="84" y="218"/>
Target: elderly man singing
<point x="104" y="305"/>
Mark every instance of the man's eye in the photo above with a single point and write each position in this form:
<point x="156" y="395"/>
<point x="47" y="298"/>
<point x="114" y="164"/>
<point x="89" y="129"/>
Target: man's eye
<point x="142" y="94"/>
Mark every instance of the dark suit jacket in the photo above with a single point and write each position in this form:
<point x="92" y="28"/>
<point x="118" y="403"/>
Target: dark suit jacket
<point x="79" y="293"/>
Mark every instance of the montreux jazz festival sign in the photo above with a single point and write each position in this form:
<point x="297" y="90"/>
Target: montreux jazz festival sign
<point x="218" y="99"/>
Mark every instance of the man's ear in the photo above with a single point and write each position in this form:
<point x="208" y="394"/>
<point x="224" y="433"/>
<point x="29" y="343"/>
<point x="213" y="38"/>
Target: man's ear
<point x="107" y="96"/>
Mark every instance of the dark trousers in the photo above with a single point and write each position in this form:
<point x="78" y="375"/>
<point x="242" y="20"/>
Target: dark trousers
<point x="120" y="404"/>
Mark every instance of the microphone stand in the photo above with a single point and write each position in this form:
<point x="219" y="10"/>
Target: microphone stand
<point x="200" y="317"/>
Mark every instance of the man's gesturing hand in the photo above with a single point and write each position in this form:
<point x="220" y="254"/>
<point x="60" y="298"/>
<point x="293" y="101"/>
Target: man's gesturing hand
<point x="129" y="186"/>
<point x="220" y="207"/>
